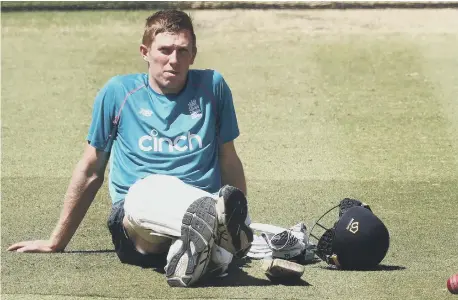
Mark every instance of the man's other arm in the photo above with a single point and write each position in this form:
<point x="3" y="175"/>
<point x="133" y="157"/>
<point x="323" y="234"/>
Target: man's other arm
<point x="87" y="178"/>
<point x="231" y="167"/>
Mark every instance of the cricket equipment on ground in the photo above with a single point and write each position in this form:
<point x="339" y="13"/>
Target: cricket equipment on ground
<point x="234" y="234"/>
<point x="285" y="244"/>
<point x="282" y="269"/>
<point x="189" y="256"/>
<point x="278" y="242"/>
<point x="358" y="240"/>
<point x="348" y="203"/>
<point x="259" y="248"/>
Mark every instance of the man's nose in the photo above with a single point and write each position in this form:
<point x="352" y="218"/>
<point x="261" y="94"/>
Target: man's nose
<point x="173" y="57"/>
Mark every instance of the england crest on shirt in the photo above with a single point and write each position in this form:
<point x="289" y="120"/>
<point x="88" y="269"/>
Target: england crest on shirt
<point x="194" y="109"/>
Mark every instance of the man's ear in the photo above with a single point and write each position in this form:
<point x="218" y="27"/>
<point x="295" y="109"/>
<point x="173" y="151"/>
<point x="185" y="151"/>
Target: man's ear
<point x="143" y="51"/>
<point x="194" y="55"/>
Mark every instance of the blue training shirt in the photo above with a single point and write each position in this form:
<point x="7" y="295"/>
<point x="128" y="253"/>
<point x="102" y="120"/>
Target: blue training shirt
<point x="149" y="133"/>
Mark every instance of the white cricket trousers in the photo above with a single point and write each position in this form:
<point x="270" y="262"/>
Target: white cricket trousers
<point x="155" y="205"/>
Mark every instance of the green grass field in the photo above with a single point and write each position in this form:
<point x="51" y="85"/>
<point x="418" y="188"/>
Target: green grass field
<point x="331" y="104"/>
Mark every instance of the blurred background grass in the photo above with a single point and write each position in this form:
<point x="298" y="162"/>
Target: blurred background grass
<point x="135" y="5"/>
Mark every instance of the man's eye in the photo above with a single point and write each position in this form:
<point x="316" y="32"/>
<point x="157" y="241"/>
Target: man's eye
<point x="165" y="51"/>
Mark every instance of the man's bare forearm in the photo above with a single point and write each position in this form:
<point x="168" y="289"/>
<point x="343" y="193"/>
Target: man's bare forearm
<point x="81" y="191"/>
<point x="232" y="173"/>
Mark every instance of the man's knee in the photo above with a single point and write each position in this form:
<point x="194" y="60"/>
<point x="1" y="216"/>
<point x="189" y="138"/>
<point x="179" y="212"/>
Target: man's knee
<point x="124" y="247"/>
<point x="144" y="240"/>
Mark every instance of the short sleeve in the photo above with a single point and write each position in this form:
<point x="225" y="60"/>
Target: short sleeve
<point x="102" y="130"/>
<point x="228" y="126"/>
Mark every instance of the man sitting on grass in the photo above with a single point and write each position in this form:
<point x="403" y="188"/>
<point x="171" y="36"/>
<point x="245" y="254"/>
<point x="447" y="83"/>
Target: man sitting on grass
<point x="176" y="182"/>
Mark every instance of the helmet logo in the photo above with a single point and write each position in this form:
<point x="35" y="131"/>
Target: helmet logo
<point x="353" y="226"/>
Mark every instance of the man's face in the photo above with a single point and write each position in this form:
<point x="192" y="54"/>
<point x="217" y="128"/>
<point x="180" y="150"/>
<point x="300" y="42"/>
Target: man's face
<point x="169" y="57"/>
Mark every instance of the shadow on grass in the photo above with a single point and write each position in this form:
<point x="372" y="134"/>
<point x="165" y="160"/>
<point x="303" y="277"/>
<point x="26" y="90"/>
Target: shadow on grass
<point x="236" y="276"/>
<point x="239" y="278"/>
<point x="89" y="251"/>
<point x="154" y="262"/>
<point x="377" y="268"/>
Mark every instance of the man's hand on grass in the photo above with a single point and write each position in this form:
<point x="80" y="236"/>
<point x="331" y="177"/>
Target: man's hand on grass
<point x="38" y="246"/>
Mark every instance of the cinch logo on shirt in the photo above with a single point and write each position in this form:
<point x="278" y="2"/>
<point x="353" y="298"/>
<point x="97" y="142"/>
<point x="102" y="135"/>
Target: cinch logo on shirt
<point x="154" y="143"/>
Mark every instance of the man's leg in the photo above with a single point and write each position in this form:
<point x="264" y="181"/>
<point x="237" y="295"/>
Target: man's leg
<point x="143" y="239"/>
<point x="162" y="208"/>
<point x="125" y="248"/>
<point x="155" y="206"/>
<point x="144" y="225"/>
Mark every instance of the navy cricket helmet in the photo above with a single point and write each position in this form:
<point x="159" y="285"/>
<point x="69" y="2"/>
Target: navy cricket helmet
<point x="358" y="240"/>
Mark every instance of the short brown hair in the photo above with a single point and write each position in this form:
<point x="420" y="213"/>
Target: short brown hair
<point x="167" y="21"/>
